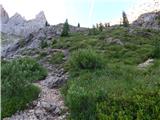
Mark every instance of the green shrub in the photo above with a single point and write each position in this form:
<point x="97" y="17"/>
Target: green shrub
<point x="65" y="31"/>
<point x="43" y="44"/>
<point x="156" y="51"/>
<point x="158" y="19"/>
<point x="82" y="103"/>
<point x="141" y="105"/>
<point x="57" y="58"/>
<point x="19" y="73"/>
<point x="22" y="42"/>
<point x="116" y="94"/>
<point x="12" y="104"/>
<point x="17" y="77"/>
<point x="86" y="59"/>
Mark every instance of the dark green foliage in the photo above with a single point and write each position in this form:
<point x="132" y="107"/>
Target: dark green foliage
<point x="78" y="25"/>
<point x="125" y="19"/>
<point x="93" y="31"/>
<point x="156" y="51"/>
<point x="158" y="18"/>
<point x="57" y="58"/>
<point x="12" y="104"/>
<point x="43" y="44"/>
<point x="143" y="105"/>
<point x="47" y="24"/>
<point x="120" y="90"/>
<point x="65" y="31"/>
<point x="16" y="79"/>
<point x="113" y="93"/>
<point x="83" y="104"/>
<point x="19" y="73"/>
<point x="22" y="42"/>
<point x="101" y="27"/>
<point x="86" y="59"/>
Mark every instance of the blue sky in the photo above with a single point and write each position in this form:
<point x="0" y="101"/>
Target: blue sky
<point x="95" y="11"/>
<point x="87" y="12"/>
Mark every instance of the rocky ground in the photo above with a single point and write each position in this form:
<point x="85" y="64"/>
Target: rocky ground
<point x="50" y="104"/>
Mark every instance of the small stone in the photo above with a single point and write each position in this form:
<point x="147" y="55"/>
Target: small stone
<point x="146" y="63"/>
<point x="57" y="111"/>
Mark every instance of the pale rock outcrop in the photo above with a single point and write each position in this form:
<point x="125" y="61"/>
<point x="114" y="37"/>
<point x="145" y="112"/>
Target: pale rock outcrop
<point x="148" y="20"/>
<point x="146" y="63"/>
<point x="18" y="25"/>
<point x="111" y="40"/>
<point x="4" y="15"/>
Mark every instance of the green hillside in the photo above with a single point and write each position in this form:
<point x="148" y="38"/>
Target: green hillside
<point x="105" y="81"/>
<point x="109" y="78"/>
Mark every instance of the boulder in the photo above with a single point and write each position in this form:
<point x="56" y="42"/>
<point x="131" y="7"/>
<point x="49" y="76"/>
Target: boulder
<point x="146" y="63"/>
<point x="113" y="41"/>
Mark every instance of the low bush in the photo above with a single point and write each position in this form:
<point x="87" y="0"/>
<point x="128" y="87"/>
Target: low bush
<point x="18" y="102"/>
<point x="117" y="92"/>
<point x="17" y="77"/>
<point x="19" y="73"/>
<point x="57" y="58"/>
<point x="86" y="59"/>
<point x="156" y="51"/>
<point x="142" y="105"/>
<point x="43" y="44"/>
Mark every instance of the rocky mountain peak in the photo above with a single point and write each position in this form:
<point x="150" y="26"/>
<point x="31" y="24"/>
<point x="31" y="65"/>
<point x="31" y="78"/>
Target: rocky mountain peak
<point x="16" y="19"/>
<point x="41" y="16"/>
<point x="18" y="25"/>
<point x="4" y="15"/>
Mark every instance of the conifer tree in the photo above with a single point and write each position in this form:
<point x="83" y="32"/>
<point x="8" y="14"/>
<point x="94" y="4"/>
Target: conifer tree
<point x="125" y="19"/>
<point x="94" y="30"/>
<point x="78" y="24"/>
<point x="65" y="31"/>
<point x="97" y="26"/>
<point x="101" y="27"/>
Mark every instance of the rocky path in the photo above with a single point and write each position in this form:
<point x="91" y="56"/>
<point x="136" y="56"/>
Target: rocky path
<point x="50" y="104"/>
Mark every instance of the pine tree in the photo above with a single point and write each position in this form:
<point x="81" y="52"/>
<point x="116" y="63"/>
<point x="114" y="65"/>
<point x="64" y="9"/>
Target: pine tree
<point x="94" y="30"/>
<point x="125" y="19"/>
<point x="101" y="27"/>
<point x="109" y="25"/>
<point x="65" y="31"/>
<point x="106" y="25"/>
<point x="97" y="25"/>
<point x="78" y="24"/>
<point x="47" y="24"/>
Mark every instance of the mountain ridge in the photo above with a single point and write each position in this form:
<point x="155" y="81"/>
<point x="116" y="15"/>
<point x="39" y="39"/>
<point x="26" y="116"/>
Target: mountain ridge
<point x="18" y="25"/>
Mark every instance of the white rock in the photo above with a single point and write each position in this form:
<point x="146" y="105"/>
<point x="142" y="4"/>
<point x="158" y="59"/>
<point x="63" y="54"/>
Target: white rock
<point x="146" y="63"/>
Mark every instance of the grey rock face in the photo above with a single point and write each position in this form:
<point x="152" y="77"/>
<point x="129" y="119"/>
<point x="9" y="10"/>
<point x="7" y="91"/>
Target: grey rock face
<point x="4" y="15"/>
<point x="18" y="25"/>
<point x="34" y="39"/>
<point x="16" y="20"/>
<point x="148" y="20"/>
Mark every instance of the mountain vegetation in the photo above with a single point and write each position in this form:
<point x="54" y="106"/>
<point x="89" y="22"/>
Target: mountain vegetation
<point x="65" y="31"/>
<point x="17" y="88"/>
<point x="112" y="72"/>
<point x="105" y="82"/>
